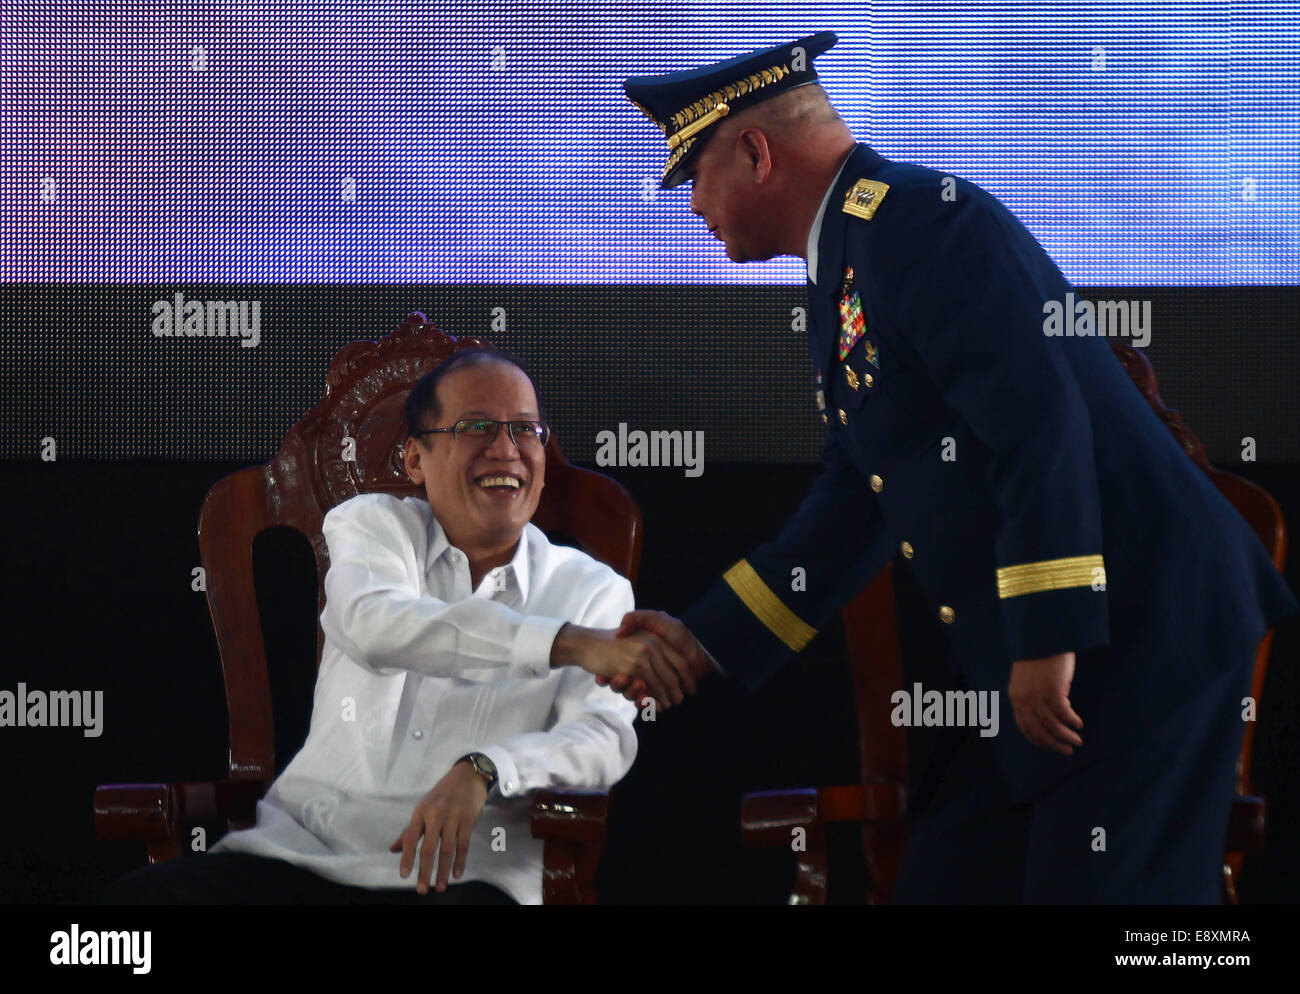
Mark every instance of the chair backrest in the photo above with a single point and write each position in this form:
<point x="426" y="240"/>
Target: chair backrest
<point x="875" y="652"/>
<point x="350" y="443"/>
<point x="1252" y="502"/>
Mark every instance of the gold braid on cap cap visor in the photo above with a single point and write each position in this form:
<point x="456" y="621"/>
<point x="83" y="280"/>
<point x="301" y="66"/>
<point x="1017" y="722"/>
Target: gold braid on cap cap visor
<point x="691" y="120"/>
<point x="678" y="155"/>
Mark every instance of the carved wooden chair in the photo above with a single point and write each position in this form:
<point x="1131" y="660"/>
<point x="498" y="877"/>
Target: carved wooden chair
<point x="872" y="642"/>
<point x="365" y="395"/>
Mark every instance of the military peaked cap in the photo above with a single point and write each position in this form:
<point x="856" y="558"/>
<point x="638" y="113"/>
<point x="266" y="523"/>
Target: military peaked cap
<point x="684" y="105"/>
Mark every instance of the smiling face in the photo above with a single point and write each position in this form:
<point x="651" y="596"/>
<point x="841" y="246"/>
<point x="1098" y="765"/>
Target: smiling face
<point x="482" y="493"/>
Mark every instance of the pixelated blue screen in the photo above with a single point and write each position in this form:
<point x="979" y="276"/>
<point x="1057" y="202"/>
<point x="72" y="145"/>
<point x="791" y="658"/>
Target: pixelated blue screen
<point x="450" y="142"/>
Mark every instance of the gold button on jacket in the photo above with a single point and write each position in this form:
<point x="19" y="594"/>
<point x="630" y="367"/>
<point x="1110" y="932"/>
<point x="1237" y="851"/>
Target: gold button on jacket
<point x="908" y="551"/>
<point x="947" y="615"/>
<point x="877" y="484"/>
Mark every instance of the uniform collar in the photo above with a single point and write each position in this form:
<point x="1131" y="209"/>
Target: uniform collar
<point x="439" y="547"/>
<point x="815" y="232"/>
<point x="862" y="163"/>
<point x="823" y="324"/>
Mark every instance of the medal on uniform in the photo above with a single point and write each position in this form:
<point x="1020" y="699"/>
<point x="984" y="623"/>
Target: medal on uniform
<point x="853" y="323"/>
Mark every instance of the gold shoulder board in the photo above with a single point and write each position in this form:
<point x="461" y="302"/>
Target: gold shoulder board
<point x="862" y="199"/>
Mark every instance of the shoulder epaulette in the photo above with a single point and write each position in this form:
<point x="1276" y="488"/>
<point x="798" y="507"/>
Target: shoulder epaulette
<point x="862" y="199"/>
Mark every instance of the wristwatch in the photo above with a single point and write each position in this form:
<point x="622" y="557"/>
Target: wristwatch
<point x="483" y="766"/>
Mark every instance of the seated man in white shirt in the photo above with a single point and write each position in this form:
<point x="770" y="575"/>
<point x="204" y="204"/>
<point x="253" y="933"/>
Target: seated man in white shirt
<point x="454" y="681"/>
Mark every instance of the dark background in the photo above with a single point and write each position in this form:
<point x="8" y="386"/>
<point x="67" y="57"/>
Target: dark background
<point x="83" y="366"/>
<point x="101" y="544"/>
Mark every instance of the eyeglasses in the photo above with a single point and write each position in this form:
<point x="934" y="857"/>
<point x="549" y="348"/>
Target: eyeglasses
<point x="525" y="434"/>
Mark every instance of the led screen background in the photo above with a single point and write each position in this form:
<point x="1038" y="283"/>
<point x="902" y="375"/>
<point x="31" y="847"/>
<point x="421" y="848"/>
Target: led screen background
<point x="380" y="142"/>
<point x="343" y="164"/>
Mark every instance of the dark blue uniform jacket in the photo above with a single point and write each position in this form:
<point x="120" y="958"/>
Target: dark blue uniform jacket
<point x="1040" y="502"/>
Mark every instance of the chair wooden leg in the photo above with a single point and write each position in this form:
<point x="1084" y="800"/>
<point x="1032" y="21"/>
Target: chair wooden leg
<point x="810" y="871"/>
<point x="1229" y="885"/>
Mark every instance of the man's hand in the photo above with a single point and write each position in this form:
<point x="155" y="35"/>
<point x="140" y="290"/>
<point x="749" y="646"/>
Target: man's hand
<point x="447" y="813"/>
<point x="675" y="634"/>
<point x="650" y="662"/>
<point x="1039" y="693"/>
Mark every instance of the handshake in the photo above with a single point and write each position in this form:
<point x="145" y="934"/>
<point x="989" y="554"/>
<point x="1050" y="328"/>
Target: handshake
<point x="651" y="654"/>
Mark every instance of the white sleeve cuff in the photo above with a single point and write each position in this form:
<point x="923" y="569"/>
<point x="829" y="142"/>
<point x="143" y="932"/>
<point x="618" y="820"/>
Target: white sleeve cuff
<point x="507" y="773"/>
<point x="531" y="655"/>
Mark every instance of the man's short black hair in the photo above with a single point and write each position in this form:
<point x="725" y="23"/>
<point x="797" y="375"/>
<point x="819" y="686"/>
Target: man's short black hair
<point x="422" y="409"/>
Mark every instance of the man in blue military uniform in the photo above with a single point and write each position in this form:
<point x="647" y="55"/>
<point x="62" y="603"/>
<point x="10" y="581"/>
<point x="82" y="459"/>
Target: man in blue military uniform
<point x="1079" y="562"/>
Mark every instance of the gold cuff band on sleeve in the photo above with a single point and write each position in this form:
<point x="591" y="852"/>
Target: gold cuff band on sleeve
<point x="1050" y="574"/>
<point x="767" y="607"/>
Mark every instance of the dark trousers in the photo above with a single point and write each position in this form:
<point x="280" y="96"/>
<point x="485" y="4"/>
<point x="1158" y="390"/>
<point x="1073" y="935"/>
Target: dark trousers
<point x="1163" y="807"/>
<point x="242" y="878"/>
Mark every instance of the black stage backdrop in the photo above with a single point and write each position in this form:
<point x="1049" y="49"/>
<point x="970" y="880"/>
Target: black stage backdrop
<point x="101" y="542"/>
<point x="83" y="365"/>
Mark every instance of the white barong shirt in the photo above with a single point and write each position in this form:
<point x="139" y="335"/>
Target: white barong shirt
<point x="418" y="670"/>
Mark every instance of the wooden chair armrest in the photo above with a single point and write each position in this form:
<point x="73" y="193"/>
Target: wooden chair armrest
<point x="767" y="817"/>
<point x="154" y="812"/>
<point x="1246" y="824"/>
<point x="770" y="818"/>
<point x="570" y="815"/>
<point x="573" y="825"/>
